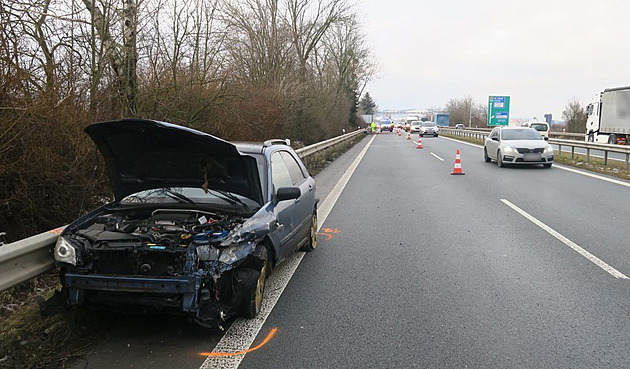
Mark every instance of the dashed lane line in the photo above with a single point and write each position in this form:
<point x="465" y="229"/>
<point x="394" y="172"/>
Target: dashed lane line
<point x="439" y="158"/>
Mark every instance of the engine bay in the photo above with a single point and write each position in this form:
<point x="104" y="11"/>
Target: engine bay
<point x="164" y="242"/>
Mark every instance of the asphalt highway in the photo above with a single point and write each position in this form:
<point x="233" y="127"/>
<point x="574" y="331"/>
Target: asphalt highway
<point x="433" y="270"/>
<point x="498" y="268"/>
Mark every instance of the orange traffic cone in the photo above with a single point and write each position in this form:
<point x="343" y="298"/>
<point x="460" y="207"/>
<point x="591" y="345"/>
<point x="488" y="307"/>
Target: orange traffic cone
<point x="458" y="165"/>
<point x="399" y="132"/>
<point x="419" y="144"/>
<point x="409" y="136"/>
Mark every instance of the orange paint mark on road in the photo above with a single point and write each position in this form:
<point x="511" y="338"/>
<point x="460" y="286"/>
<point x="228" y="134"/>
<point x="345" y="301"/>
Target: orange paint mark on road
<point x="264" y="342"/>
<point x="328" y="236"/>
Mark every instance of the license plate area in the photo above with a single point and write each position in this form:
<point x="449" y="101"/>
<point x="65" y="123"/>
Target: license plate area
<point x="532" y="157"/>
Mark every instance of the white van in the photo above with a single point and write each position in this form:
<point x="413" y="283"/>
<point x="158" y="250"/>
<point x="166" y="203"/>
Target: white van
<point x="541" y="127"/>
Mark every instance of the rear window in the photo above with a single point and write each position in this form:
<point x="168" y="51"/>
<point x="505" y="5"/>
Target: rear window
<point x="428" y="124"/>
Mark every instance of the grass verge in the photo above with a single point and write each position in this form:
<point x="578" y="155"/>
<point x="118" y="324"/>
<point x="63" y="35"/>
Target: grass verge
<point x="613" y="169"/>
<point x="30" y="340"/>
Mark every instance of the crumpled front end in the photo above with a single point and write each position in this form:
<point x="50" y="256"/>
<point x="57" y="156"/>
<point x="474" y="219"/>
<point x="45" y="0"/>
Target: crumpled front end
<point x="164" y="260"/>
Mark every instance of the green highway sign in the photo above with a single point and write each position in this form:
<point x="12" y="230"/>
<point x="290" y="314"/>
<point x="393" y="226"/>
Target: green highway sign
<point x="498" y="110"/>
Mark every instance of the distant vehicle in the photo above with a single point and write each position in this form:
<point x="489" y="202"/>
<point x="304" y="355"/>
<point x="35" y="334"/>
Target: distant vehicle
<point x="609" y="116"/>
<point x="517" y="145"/>
<point x="428" y="128"/>
<point x="541" y="127"/>
<point x="386" y="127"/>
<point x="441" y="120"/>
<point x="408" y="121"/>
<point x="415" y="126"/>
<point x="460" y="126"/>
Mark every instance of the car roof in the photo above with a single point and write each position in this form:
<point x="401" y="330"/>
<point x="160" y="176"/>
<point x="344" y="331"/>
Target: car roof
<point x="251" y="147"/>
<point x="514" y="127"/>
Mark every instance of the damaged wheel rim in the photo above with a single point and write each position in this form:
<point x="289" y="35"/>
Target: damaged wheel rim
<point x="314" y="232"/>
<point x="260" y="287"/>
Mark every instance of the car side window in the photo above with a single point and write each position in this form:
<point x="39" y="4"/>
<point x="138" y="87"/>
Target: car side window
<point x="297" y="176"/>
<point x="280" y="175"/>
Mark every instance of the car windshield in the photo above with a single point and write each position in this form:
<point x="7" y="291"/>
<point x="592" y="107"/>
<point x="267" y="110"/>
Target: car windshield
<point x="539" y="127"/>
<point x="520" y="134"/>
<point x="428" y="124"/>
<point x="187" y="195"/>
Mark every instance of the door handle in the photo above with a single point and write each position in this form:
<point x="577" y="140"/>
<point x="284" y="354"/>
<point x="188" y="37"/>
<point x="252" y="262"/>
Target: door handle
<point x="310" y="187"/>
<point x="279" y="226"/>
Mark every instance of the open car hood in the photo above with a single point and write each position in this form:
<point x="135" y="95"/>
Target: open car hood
<point x="145" y="154"/>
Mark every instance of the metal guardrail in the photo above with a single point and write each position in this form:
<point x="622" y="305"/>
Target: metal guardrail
<point x="589" y="146"/>
<point x="32" y="256"/>
<point x="577" y="136"/>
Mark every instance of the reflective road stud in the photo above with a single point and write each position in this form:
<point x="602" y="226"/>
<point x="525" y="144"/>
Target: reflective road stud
<point x="458" y="165"/>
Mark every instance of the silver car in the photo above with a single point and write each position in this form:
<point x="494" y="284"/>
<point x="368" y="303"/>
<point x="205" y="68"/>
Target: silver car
<point x="428" y="128"/>
<point x="517" y="145"/>
<point x="415" y="126"/>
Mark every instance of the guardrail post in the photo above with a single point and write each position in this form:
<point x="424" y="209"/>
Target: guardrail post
<point x="605" y="157"/>
<point x="627" y="159"/>
<point x="559" y="149"/>
<point x="588" y="155"/>
<point x="572" y="152"/>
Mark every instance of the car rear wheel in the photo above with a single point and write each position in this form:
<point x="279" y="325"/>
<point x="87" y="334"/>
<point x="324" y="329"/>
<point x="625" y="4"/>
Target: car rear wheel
<point x="312" y="242"/>
<point x="500" y="160"/>
<point x="255" y="292"/>
<point x="486" y="158"/>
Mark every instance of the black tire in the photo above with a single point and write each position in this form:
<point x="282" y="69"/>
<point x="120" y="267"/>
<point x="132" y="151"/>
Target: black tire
<point x="500" y="160"/>
<point x="548" y="165"/>
<point x="255" y="291"/>
<point x="612" y="140"/>
<point x="436" y="135"/>
<point x="312" y="242"/>
<point x="591" y="137"/>
<point x="486" y="158"/>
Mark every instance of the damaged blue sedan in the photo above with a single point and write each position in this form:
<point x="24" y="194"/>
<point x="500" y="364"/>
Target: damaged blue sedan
<point x="196" y="226"/>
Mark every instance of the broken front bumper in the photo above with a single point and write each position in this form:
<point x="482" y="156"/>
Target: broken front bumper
<point x="135" y="290"/>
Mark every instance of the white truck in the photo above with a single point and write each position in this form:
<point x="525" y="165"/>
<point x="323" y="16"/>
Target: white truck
<point x="608" y="118"/>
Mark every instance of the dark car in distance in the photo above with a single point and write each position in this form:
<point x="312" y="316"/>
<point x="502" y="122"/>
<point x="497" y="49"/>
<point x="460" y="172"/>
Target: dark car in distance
<point x="196" y="226"/>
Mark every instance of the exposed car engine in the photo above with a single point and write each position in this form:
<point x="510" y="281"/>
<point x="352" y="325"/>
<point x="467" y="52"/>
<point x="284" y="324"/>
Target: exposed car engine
<point x="157" y="245"/>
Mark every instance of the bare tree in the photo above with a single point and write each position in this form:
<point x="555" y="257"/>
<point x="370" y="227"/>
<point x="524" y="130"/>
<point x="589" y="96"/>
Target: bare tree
<point x="575" y="116"/>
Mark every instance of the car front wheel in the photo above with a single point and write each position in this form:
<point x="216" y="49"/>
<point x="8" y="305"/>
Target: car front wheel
<point x="500" y="160"/>
<point x="548" y="165"/>
<point x="255" y="291"/>
<point x="486" y="158"/>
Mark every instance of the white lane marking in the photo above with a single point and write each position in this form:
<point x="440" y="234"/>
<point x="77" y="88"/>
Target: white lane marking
<point x="611" y="180"/>
<point x="439" y="158"/>
<point x="592" y="258"/>
<point x="559" y="166"/>
<point x="242" y="333"/>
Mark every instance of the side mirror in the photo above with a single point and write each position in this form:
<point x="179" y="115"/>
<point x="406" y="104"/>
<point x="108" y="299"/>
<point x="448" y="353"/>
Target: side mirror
<point x="495" y="138"/>
<point x="288" y="193"/>
<point x="546" y="138"/>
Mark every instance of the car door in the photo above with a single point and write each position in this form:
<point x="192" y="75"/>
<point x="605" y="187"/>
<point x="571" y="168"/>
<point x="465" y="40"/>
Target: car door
<point x="303" y="206"/>
<point x="491" y="145"/>
<point x="283" y="210"/>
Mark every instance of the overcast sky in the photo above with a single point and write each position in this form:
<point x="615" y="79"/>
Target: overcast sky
<point x="539" y="52"/>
